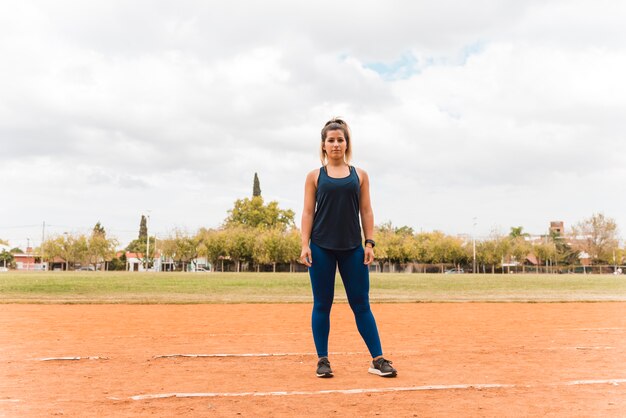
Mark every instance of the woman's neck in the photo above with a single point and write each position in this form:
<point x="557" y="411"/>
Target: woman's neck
<point x="336" y="164"/>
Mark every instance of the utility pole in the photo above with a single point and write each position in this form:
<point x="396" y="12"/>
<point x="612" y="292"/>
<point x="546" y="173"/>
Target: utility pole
<point x="147" y="239"/>
<point x="474" y="245"/>
<point x="43" y="237"/>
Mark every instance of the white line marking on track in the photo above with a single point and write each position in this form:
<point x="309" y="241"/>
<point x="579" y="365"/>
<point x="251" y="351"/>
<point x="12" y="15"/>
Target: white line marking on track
<point x="256" y="334"/>
<point x="72" y="358"/>
<point x="352" y="353"/>
<point x="249" y="355"/>
<point x="614" y="382"/>
<point x="10" y="400"/>
<point x="592" y="329"/>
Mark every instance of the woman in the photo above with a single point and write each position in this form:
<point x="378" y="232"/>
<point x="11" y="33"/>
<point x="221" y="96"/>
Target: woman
<point x="334" y="196"/>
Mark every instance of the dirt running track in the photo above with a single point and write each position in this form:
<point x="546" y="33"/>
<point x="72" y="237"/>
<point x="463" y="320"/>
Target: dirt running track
<point x="465" y="359"/>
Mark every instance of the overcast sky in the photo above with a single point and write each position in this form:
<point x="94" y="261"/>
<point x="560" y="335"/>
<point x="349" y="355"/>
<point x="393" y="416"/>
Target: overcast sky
<point x="509" y="112"/>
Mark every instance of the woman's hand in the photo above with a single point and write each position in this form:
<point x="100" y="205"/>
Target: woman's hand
<point x="369" y="255"/>
<point x="305" y="256"/>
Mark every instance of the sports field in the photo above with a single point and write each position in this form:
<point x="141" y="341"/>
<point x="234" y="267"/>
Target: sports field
<point x="96" y="344"/>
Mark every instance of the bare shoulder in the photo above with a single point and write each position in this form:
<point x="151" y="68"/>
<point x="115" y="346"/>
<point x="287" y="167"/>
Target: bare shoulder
<point x="363" y="177"/>
<point x="313" y="173"/>
<point x="312" y="176"/>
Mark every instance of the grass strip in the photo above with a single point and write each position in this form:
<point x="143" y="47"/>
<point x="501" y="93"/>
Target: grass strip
<point x="125" y="287"/>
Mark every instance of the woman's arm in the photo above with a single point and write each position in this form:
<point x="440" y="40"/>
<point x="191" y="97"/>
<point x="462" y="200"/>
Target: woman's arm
<point x="307" y="217"/>
<point x="367" y="215"/>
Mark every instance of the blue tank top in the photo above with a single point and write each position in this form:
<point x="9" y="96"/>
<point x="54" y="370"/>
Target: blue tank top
<point x="336" y="220"/>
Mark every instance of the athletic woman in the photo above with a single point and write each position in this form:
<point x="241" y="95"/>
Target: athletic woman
<point x="334" y="197"/>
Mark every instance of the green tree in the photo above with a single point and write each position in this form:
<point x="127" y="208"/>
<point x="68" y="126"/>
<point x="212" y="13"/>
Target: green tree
<point x="256" y="188"/>
<point x="73" y="248"/>
<point x="98" y="229"/>
<point x="143" y="228"/>
<point x="99" y="247"/>
<point x="393" y="245"/>
<point x="253" y="213"/>
<point x="487" y="254"/>
<point x="517" y="232"/>
<point x="293" y="240"/>
<point x="138" y="246"/>
<point x="519" y="249"/>
<point x="270" y="248"/>
<point x="240" y="244"/>
<point x="213" y="244"/>
<point x="436" y="248"/>
<point x="181" y="247"/>
<point x="597" y="236"/>
<point x="6" y="258"/>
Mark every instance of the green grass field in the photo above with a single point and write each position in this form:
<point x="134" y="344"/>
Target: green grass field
<point x="123" y="287"/>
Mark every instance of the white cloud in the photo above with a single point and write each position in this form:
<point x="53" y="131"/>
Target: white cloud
<point x="508" y="111"/>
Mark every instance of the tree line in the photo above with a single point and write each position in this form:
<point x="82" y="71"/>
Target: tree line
<point x="256" y="235"/>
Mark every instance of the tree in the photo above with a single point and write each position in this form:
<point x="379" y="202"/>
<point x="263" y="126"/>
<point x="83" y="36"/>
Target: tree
<point x="517" y="232"/>
<point x="143" y="228"/>
<point x="487" y="254"/>
<point x="98" y="229"/>
<point x="254" y="213"/>
<point x="240" y="244"/>
<point x="256" y="188"/>
<point x="71" y="248"/>
<point x="138" y="245"/>
<point x="212" y="243"/>
<point x="180" y="247"/>
<point x="6" y="258"/>
<point x="564" y="254"/>
<point x="100" y="248"/>
<point x="597" y="236"/>
<point x="270" y="248"/>
<point x="519" y="249"/>
<point x="394" y="244"/>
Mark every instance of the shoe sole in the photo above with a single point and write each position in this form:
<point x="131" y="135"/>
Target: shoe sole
<point x="324" y="375"/>
<point x="379" y="373"/>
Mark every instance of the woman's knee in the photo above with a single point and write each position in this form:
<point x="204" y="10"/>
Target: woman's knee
<point x="360" y="305"/>
<point x="322" y="307"/>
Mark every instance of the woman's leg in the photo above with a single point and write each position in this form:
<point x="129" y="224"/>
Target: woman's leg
<point x="322" y="273"/>
<point x="356" y="280"/>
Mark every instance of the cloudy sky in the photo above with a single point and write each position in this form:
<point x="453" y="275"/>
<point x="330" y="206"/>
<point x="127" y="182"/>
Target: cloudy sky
<point x="509" y="112"/>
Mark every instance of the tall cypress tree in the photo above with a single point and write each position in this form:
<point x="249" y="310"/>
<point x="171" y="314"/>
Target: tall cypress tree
<point x="98" y="229"/>
<point x="256" y="189"/>
<point x="143" y="228"/>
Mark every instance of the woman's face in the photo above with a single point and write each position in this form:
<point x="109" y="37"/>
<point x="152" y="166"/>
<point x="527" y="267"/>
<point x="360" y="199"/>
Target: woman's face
<point x="335" y="144"/>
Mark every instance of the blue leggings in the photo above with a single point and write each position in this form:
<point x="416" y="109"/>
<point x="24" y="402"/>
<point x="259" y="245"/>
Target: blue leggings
<point x="355" y="277"/>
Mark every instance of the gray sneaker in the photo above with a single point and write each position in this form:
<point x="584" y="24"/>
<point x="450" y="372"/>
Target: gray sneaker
<point x="323" y="368"/>
<point x="382" y="367"/>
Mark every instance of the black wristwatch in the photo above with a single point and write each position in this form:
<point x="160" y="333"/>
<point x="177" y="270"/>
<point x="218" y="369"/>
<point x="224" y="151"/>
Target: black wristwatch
<point x="370" y="241"/>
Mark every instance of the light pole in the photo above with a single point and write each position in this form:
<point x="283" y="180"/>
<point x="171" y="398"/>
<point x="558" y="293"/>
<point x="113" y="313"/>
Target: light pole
<point x="474" y="245"/>
<point x="147" y="238"/>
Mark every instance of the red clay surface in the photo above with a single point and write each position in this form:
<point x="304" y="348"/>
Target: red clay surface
<point x="557" y="359"/>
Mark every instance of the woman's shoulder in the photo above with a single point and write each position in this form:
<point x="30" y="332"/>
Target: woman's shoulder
<point x="361" y="172"/>
<point x="314" y="173"/>
<point x="362" y="175"/>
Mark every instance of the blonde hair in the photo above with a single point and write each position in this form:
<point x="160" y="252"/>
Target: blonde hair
<point x="336" y="124"/>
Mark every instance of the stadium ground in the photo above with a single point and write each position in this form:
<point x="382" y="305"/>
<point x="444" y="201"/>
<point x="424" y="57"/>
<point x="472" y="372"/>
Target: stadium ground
<point x="454" y="359"/>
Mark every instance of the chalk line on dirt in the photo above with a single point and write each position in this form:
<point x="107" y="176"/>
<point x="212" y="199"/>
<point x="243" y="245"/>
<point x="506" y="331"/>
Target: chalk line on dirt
<point x="347" y="353"/>
<point x="249" y="355"/>
<point x="72" y="358"/>
<point x="614" y="382"/>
